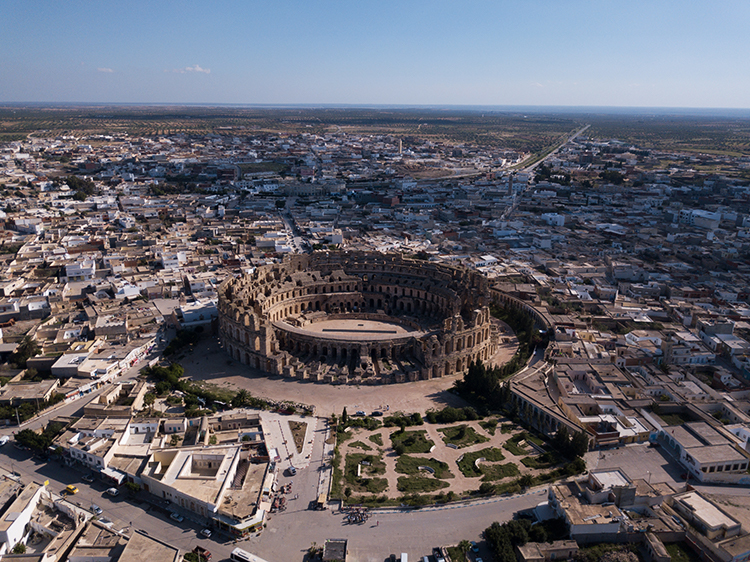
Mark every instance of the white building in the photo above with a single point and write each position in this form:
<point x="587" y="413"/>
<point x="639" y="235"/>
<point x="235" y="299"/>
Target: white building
<point x="83" y="270"/>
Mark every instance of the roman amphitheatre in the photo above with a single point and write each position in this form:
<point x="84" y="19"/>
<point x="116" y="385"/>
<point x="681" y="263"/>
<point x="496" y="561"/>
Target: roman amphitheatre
<point x="358" y="318"/>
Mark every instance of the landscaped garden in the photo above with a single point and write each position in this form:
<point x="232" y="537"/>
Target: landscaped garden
<point x="411" y="442"/>
<point x="461" y="436"/>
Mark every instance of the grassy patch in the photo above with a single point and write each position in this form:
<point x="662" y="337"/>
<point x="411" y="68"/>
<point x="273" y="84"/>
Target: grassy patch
<point x="507" y="428"/>
<point x="456" y="554"/>
<point x="338" y="476"/>
<point x="462" y="436"/>
<point x="360" y="445"/>
<point x="411" y="442"/>
<point x="680" y="552"/>
<point x="535" y="439"/>
<point x="674" y="419"/>
<point x="513" y="448"/>
<point x="466" y="464"/>
<point x="494" y="472"/>
<point x="377" y="439"/>
<point x="298" y="432"/>
<point x="376" y="465"/>
<point x="594" y="553"/>
<point x="417" y="484"/>
<point x="512" y="487"/>
<point x="545" y="460"/>
<point x="410" y="465"/>
<point x="362" y="484"/>
<point x="490" y="426"/>
<point x="371" y="501"/>
<point x="343" y="435"/>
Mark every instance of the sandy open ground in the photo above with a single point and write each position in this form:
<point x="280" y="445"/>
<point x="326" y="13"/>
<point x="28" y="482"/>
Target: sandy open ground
<point x="209" y="362"/>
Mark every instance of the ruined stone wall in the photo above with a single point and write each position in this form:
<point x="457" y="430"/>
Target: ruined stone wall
<point x="258" y="314"/>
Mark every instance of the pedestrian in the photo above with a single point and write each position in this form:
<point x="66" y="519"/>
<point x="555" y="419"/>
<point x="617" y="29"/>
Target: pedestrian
<point x="377" y="523"/>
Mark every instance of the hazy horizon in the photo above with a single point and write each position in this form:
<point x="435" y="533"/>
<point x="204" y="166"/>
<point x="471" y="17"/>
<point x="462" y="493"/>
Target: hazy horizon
<point x="536" y="109"/>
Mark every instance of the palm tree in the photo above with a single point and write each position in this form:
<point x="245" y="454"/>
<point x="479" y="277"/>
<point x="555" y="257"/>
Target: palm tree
<point x="464" y="546"/>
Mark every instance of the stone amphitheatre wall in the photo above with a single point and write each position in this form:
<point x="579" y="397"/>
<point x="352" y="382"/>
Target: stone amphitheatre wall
<point x="262" y="317"/>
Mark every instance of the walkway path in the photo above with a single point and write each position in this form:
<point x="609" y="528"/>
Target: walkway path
<point x="459" y="484"/>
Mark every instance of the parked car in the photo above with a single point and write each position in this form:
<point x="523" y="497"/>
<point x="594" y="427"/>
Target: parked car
<point x="113" y="492"/>
<point x="71" y="489"/>
<point x="177" y="517"/>
<point x="88" y="478"/>
<point x="96" y="509"/>
<point x="3" y="440"/>
<point x="377" y="414"/>
<point x="206" y="533"/>
<point x="200" y="551"/>
<point x="474" y="547"/>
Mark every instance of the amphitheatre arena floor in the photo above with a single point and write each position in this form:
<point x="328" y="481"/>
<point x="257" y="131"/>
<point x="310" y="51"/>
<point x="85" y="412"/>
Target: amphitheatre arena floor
<point x="358" y="330"/>
<point x="209" y="362"/>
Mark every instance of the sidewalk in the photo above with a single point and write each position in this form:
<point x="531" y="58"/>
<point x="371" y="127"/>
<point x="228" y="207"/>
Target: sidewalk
<point x="279" y="436"/>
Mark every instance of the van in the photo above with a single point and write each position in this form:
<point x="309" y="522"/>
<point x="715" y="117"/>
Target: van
<point x="292" y="471"/>
<point x="404" y="557"/>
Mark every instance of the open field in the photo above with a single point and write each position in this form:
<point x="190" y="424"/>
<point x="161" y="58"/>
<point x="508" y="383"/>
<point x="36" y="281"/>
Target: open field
<point x="509" y="130"/>
<point x="676" y="133"/>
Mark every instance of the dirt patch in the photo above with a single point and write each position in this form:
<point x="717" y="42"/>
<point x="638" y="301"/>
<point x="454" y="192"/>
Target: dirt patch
<point x="298" y="432"/>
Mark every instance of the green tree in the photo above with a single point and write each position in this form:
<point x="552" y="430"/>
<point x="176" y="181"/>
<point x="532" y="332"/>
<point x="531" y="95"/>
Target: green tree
<point x="344" y="417"/>
<point x="241" y="399"/>
<point x="148" y="400"/>
<point x="27" y="349"/>
<point x="526" y="480"/>
<point x="579" y="444"/>
<point x="464" y="546"/>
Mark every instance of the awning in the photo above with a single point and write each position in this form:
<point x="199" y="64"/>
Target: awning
<point x="115" y="475"/>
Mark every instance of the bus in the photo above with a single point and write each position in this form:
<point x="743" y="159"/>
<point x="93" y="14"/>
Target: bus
<point x="244" y="556"/>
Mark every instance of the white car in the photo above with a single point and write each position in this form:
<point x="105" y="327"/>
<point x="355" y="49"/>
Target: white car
<point x="206" y="533"/>
<point x="3" y="440"/>
<point x="96" y="509"/>
<point x="113" y="492"/>
<point x="177" y="517"/>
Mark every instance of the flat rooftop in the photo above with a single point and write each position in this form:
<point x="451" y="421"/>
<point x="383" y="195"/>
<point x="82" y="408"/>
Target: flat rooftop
<point x="711" y="515"/>
<point x="143" y="548"/>
<point x="611" y="478"/>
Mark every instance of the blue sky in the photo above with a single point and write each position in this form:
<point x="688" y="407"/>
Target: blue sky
<point x="655" y="53"/>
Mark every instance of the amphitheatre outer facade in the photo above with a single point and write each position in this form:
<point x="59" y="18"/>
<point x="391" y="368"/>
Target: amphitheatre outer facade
<point x="357" y="318"/>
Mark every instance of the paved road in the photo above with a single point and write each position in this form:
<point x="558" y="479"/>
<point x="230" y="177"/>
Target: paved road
<point x="414" y="532"/>
<point x="124" y="512"/>
<point x="572" y="137"/>
<point x="76" y="407"/>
